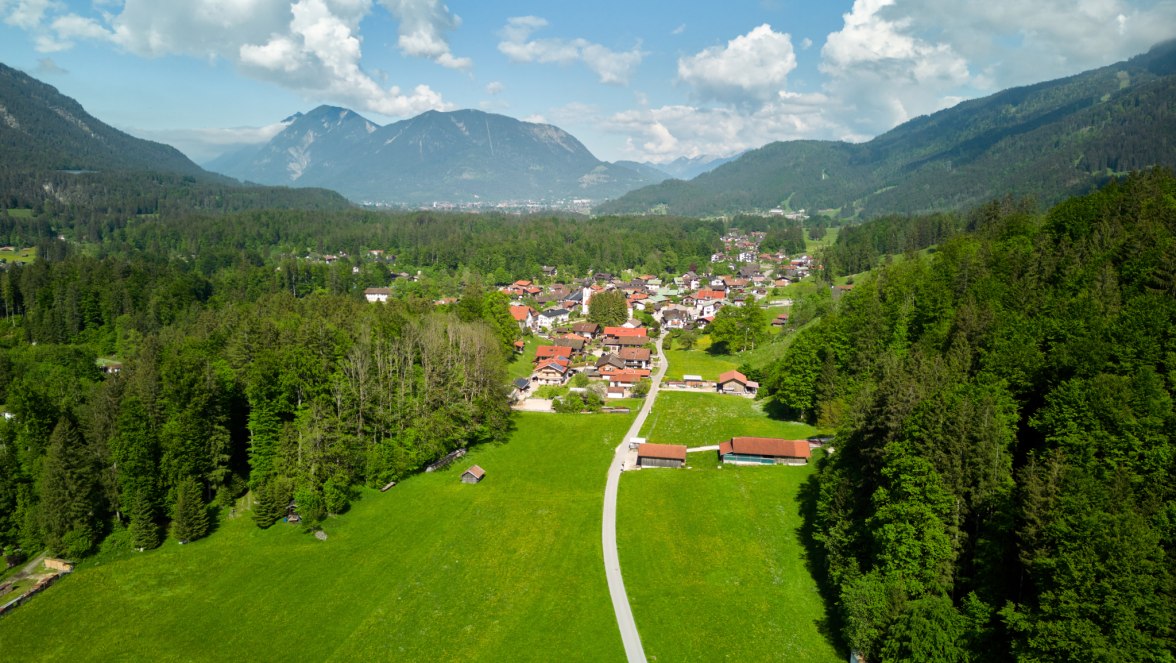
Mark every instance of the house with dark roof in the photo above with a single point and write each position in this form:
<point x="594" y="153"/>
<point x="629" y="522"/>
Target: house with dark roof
<point x="734" y="382"/>
<point x="588" y="330"/>
<point x="764" y="451"/>
<point x="550" y="318"/>
<point x="661" y="455"/>
<point x="635" y="357"/>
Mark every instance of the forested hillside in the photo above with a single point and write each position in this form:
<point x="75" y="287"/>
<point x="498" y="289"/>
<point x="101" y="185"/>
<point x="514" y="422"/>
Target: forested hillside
<point x="1045" y="141"/>
<point x="1001" y="486"/>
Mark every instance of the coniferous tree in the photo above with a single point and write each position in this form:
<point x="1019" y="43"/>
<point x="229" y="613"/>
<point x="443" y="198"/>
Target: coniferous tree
<point x="144" y="529"/>
<point x="69" y="516"/>
<point x="608" y="308"/>
<point x="191" y="513"/>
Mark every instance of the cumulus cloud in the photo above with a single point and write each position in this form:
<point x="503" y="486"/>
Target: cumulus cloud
<point x="202" y="145"/>
<point x="495" y="87"/>
<point x="614" y="67"/>
<point x="311" y="46"/>
<point x="25" y="14"/>
<point x="423" y="24"/>
<point x="665" y="133"/>
<point x="751" y="68"/>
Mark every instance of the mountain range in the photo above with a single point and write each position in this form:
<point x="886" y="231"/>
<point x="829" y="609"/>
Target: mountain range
<point x="458" y="156"/>
<point x="1045" y="141"/>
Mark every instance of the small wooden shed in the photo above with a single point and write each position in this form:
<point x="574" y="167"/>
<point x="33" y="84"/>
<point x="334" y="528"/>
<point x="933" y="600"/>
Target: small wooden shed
<point x="473" y="475"/>
<point x="661" y="455"/>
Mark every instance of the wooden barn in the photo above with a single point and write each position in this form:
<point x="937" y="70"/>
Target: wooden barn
<point x="764" y="451"/>
<point x="473" y="475"/>
<point x="661" y="455"/>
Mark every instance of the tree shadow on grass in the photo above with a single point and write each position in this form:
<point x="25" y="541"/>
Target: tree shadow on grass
<point x="831" y="626"/>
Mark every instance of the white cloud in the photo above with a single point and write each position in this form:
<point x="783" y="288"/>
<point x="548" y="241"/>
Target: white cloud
<point x="311" y="46"/>
<point x="422" y="26"/>
<point x="751" y="68"/>
<point x="495" y="87"/>
<point x="25" y="14"/>
<point x="614" y="67"/>
<point x="882" y="74"/>
<point x="202" y="145"/>
<point x="668" y="132"/>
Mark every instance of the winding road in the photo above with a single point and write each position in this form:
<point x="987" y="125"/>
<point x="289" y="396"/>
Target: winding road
<point x="612" y="562"/>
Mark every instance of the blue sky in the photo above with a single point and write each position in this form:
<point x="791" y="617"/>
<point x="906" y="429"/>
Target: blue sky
<point x="643" y="80"/>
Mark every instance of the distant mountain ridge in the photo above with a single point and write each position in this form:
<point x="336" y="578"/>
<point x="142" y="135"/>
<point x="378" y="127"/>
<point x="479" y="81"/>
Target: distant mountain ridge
<point x="458" y="156"/>
<point x="53" y="151"/>
<point x="1047" y="141"/>
<point x="42" y="129"/>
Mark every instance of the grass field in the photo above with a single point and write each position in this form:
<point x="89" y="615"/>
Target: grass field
<point x="20" y="255"/>
<point x="520" y="362"/>
<point x="506" y="570"/>
<point x="20" y="213"/>
<point x="714" y="565"/>
<point x="698" y="419"/>
<point x="698" y="362"/>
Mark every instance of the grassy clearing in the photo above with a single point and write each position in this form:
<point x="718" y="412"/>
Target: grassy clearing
<point x="19" y="255"/>
<point x="20" y="213"/>
<point x="813" y="246"/>
<point x="698" y="419"/>
<point x="714" y="565"/>
<point x="519" y="365"/>
<point x="508" y="569"/>
<point x="698" y="362"/>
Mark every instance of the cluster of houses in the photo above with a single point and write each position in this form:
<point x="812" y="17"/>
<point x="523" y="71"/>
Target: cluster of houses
<point x="735" y="451"/>
<point x="619" y="356"/>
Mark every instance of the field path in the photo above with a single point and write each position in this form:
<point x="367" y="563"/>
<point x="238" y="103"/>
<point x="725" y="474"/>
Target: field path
<point x="612" y="562"/>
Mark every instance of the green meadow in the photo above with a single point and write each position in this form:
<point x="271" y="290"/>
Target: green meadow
<point x="509" y="569"/>
<point x="699" y="419"/>
<point x="698" y="362"/>
<point x="714" y="565"/>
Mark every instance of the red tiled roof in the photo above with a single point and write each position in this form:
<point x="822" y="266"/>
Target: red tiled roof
<point x="477" y="471"/>
<point x="733" y="375"/>
<point x="519" y="313"/>
<point x="549" y="351"/>
<point x="626" y="331"/>
<point x="710" y="294"/>
<point x="634" y="354"/>
<point x="664" y="451"/>
<point x="766" y="446"/>
<point x="630" y="376"/>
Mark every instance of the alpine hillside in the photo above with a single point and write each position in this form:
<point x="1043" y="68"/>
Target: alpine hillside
<point x="42" y="129"/>
<point x="459" y="156"/>
<point x="1045" y="141"/>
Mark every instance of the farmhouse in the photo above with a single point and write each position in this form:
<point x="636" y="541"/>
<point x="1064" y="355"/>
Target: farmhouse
<point x="734" y="382"/>
<point x="545" y="352"/>
<point x="377" y="294"/>
<point x="550" y="318"/>
<point x="473" y="475"/>
<point x="635" y="357"/>
<point x="661" y="455"/>
<point x="764" y="451"/>
<point x="524" y="316"/>
<point x="553" y="372"/>
<point x="588" y="330"/>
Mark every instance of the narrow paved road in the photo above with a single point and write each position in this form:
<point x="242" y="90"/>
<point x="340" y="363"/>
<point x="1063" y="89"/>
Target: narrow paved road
<point x="612" y="563"/>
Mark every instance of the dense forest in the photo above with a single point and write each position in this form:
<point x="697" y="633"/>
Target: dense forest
<point x="246" y="365"/>
<point x="1001" y="482"/>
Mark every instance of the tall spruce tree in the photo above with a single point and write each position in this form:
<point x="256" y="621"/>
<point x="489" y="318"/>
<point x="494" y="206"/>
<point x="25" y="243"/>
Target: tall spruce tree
<point x="144" y="529"/>
<point x="191" y="513"/>
<point x="69" y="495"/>
<point x="608" y="308"/>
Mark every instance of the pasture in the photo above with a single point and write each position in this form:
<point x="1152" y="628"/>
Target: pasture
<point x="508" y="569"/>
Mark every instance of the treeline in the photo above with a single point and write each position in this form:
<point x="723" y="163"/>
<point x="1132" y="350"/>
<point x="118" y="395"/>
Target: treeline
<point x="1001" y="486"/>
<point x="295" y="398"/>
